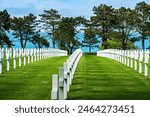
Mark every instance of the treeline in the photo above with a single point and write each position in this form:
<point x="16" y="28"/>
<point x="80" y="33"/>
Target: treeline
<point x="116" y="27"/>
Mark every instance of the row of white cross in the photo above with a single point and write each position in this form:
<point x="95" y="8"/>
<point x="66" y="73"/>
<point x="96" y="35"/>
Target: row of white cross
<point x="31" y="55"/>
<point x="61" y="82"/>
<point x="128" y="57"/>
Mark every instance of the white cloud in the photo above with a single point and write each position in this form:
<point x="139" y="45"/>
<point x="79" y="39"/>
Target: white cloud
<point x="65" y="7"/>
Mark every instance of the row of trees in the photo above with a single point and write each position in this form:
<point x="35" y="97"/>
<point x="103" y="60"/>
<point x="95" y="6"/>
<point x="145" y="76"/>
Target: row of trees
<point x="119" y="25"/>
<point x="115" y="26"/>
<point x="24" y="29"/>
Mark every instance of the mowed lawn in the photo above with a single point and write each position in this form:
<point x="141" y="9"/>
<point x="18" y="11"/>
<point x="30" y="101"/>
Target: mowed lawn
<point x="32" y="81"/>
<point x="98" y="78"/>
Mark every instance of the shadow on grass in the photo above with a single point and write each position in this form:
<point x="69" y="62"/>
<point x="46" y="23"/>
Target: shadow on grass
<point x="99" y="78"/>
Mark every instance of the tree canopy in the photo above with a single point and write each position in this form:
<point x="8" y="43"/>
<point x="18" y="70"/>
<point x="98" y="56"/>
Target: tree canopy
<point x="142" y="21"/>
<point x="67" y="33"/>
<point x="39" y="41"/>
<point x="90" y="38"/>
<point x="103" y="20"/>
<point x="115" y="27"/>
<point x="124" y="26"/>
<point x="4" y="27"/>
<point x="51" y="19"/>
<point x="24" y="28"/>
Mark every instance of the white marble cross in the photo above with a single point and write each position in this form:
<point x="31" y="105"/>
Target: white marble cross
<point x="131" y="58"/>
<point x="35" y="52"/>
<point x="1" y="61"/>
<point x="28" y="54"/>
<point x="20" y="56"/>
<point x="140" y="61"/>
<point x="14" y="57"/>
<point x="54" y="93"/>
<point x="61" y="84"/>
<point x="146" y="63"/>
<point x="31" y="51"/>
<point x="8" y="58"/>
<point x="128" y="58"/>
<point x="136" y="56"/>
<point x="24" y="56"/>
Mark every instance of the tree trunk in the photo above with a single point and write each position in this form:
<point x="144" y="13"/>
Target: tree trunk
<point x="21" y="42"/>
<point x="70" y="50"/>
<point x="53" y="38"/>
<point x="123" y="44"/>
<point x="143" y="43"/>
<point x="104" y="42"/>
<point x="38" y="45"/>
<point x="90" y="49"/>
<point x="53" y="43"/>
<point x="0" y="43"/>
<point x="25" y="43"/>
<point x="104" y="38"/>
<point x="21" y="38"/>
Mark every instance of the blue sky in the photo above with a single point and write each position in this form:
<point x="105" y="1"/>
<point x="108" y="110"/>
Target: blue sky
<point x="65" y="7"/>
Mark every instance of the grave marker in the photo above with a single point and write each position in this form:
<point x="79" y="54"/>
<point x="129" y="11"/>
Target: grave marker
<point x="65" y="80"/>
<point x="140" y="61"/>
<point x="31" y="55"/>
<point x="8" y="58"/>
<point x="68" y="75"/>
<point x="131" y="58"/>
<point x="54" y="93"/>
<point x="40" y="54"/>
<point x="61" y="83"/>
<point x="128" y="58"/>
<point x="0" y="61"/>
<point x="20" y="56"/>
<point x="38" y="51"/>
<point x="125" y="58"/>
<point x="136" y="56"/>
<point x="146" y="63"/>
<point x="35" y="52"/>
<point x="24" y="55"/>
<point x="14" y="56"/>
<point x="28" y="54"/>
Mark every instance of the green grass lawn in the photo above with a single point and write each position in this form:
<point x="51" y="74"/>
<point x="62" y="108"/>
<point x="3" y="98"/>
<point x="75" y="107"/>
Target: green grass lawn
<point x="95" y="78"/>
<point x="32" y="81"/>
<point x="102" y="78"/>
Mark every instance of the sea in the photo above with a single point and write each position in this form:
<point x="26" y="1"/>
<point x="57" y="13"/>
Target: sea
<point x="80" y="36"/>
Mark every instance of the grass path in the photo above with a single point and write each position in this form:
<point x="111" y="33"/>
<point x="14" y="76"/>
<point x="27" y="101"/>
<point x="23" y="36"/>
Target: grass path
<point x="103" y="78"/>
<point x="32" y="81"/>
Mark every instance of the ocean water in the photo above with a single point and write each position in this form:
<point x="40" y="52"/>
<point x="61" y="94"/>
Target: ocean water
<point x="80" y="36"/>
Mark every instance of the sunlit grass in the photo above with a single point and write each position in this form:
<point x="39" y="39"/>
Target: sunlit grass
<point x="102" y="78"/>
<point x="32" y="81"/>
